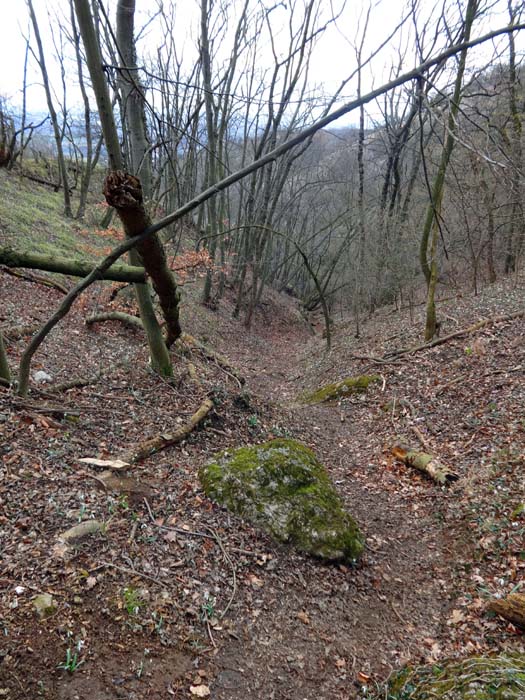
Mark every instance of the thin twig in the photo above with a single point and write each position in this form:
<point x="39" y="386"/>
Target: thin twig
<point x="234" y="573"/>
<point x="133" y="572"/>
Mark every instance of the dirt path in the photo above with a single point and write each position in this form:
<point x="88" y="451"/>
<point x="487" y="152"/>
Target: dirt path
<point x="319" y="629"/>
<point x="294" y="628"/>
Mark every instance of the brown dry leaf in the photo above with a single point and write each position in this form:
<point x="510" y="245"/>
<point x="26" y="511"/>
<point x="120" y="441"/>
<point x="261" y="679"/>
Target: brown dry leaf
<point x="456" y="617"/>
<point x="363" y="678"/>
<point x="91" y="582"/>
<point x="255" y="581"/>
<point x="303" y="616"/>
<point x="200" y="691"/>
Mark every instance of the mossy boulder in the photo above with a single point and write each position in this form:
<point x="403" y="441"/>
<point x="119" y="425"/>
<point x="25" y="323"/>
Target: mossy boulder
<point x="499" y="677"/>
<point x="281" y="486"/>
<point x="337" y="390"/>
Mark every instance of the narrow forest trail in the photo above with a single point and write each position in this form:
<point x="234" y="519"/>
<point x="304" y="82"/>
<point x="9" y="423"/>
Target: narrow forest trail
<point x="221" y="605"/>
<point x="327" y="627"/>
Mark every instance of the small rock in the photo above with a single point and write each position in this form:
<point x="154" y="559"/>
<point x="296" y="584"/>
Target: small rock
<point x="42" y="377"/>
<point x="44" y="604"/>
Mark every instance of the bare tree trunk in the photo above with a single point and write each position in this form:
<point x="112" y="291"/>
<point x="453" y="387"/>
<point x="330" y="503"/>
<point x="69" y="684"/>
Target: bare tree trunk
<point x="52" y="112"/>
<point x="133" y="214"/>
<point x="130" y="206"/>
<point x="4" y="366"/>
<point x="432" y="222"/>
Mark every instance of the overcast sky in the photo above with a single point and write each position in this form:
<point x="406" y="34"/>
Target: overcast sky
<point x="333" y="60"/>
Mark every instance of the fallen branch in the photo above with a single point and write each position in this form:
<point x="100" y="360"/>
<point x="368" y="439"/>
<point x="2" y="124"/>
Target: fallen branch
<point x="458" y="334"/>
<point x="425" y="463"/>
<point x="65" y="266"/>
<point x="126" y="319"/>
<point x="160" y="442"/>
<point x="19" y="331"/>
<point x="36" y="279"/>
<point x="512" y="608"/>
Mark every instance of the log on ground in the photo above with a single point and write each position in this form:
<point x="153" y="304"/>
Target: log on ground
<point x="425" y="463"/>
<point x="512" y="608"/>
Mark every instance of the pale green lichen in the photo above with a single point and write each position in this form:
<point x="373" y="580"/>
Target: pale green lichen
<point x="281" y="486"/>
<point x="337" y="390"/>
<point x="499" y="677"/>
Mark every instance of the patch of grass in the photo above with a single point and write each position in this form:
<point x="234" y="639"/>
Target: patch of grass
<point x="72" y="661"/>
<point x="32" y="219"/>
<point x="132" y="601"/>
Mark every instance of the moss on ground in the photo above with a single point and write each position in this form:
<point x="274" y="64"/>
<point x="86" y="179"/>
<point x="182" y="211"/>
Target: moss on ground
<point x="281" y="486"/>
<point x="499" y="677"/>
<point x="32" y="219"/>
<point x="337" y="390"/>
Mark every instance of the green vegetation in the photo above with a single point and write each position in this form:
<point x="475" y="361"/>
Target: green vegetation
<point x="32" y="220"/>
<point x="72" y="660"/>
<point x="337" y="390"/>
<point x="133" y="601"/>
<point x="281" y="486"/>
<point x="499" y="677"/>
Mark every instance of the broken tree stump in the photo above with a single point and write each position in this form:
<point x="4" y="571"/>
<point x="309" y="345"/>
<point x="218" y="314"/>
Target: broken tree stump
<point x="426" y="463"/>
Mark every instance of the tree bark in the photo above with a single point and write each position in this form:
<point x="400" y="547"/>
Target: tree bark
<point x="432" y="215"/>
<point x="129" y="204"/>
<point x="434" y="209"/>
<point x="425" y="463"/>
<point x="64" y="266"/>
<point x="124" y="192"/>
<point x="52" y="112"/>
<point x="4" y="366"/>
<point x="512" y="608"/>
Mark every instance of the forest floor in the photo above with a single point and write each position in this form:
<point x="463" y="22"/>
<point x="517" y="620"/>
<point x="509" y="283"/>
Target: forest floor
<point x="178" y="598"/>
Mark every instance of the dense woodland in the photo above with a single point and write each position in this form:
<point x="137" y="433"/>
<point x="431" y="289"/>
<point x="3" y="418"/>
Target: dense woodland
<point x="264" y="238"/>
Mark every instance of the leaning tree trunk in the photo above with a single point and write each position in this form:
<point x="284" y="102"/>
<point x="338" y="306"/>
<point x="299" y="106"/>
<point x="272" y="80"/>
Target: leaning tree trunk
<point x="126" y="192"/>
<point x="129" y="204"/>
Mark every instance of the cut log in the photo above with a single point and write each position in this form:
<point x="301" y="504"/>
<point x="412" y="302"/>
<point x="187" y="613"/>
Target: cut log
<point x="512" y="608"/>
<point x="160" y="442"/>
<point x="65" y="266"/>
<point x="425" y="463"/>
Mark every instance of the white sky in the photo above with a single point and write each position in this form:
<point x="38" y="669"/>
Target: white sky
<point x="333" y="60"/>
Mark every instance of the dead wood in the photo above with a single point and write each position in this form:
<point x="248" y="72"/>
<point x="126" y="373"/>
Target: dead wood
<point x="160" y="442"/>
<point x="19" y="331"/>
<point x="458" y="334"/>
<point x="126" y="319"/>
<point x="425" y="463"/>
<point x="512" y="608"/>
<point x="190" y="342"/>
<point x="66" y="266"/>
<point x="36" y="279"/>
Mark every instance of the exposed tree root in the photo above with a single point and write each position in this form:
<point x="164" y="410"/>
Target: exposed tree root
<point x="160" y="442"/>
<point x="190" y="342"/>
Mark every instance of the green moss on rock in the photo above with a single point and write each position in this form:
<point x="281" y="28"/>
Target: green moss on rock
<point x="346" y="387"/>
<point x="499" y="677"/>
<point x="281" y="486"/>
